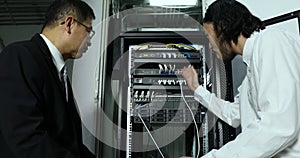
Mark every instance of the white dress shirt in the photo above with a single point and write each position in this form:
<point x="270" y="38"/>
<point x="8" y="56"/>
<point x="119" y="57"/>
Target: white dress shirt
<point x="56" y="55"/>
<point x="268" y="104"/>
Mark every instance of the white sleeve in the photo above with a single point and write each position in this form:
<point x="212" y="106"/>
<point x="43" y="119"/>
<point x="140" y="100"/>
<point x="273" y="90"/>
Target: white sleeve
<point x="227" y="111"/>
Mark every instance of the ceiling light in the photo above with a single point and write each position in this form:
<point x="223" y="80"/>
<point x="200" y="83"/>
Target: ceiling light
<point x="172" y="2"/>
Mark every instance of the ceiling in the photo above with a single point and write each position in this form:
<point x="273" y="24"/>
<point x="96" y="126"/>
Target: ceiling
<point x="23" y="12"/>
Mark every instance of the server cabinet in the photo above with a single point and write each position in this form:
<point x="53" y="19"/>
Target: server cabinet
<point x="155" y="106"/>
<point x="157" y="101"/>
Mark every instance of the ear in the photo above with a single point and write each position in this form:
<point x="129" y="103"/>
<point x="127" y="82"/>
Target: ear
<point x="67" y="23"/>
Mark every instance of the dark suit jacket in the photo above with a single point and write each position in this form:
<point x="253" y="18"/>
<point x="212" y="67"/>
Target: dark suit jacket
<point x="36" y="121"/>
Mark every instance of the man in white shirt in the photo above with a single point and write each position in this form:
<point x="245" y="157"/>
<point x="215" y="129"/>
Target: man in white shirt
<point x="268" y="104"/>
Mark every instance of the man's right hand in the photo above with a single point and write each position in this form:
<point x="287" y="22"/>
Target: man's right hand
<point x="191" y="77"/>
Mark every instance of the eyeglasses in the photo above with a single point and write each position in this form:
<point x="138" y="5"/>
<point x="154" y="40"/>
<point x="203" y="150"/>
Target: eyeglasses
<point x="88" y="29"/>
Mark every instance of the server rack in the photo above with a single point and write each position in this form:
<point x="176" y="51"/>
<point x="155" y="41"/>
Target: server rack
<point x="155" y="94"/>
<point x="145" y="72"/>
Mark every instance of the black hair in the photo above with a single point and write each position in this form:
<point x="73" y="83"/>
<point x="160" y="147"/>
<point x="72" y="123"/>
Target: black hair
<point x="59" y="9"/>
<point x="230" y="19"/>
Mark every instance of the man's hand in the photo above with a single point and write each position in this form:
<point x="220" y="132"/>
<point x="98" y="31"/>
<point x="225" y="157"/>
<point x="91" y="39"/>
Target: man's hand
<point x="191" y="77"/>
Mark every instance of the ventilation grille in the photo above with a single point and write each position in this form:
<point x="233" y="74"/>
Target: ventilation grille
<point x="23" y="12"/>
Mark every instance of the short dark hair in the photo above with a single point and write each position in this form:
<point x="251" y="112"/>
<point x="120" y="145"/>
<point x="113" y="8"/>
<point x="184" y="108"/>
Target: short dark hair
<point x="230" y="19"/>
<point x="59" y="9"/>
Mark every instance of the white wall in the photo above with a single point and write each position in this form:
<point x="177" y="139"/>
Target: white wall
<point x="85" y="79"/>
<point x="266" y="9"/>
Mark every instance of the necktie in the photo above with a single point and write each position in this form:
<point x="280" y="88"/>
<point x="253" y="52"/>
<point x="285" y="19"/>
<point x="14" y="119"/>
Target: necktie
<point x="64" y="78"/>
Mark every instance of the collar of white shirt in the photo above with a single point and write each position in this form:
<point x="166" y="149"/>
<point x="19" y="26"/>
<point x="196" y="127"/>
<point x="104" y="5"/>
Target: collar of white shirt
<point x="248" y="48"/>
<point x="57" y="57"/>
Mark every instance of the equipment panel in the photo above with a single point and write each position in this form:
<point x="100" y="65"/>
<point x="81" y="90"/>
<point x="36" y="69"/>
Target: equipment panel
<point x="159" y="98"/>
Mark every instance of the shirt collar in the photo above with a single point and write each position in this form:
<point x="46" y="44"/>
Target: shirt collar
<point x="57" y="57"/>
<point x="248" y="49"/>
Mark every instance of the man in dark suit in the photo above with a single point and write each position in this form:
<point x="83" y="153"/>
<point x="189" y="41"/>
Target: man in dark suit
<point x="38" y="115"/>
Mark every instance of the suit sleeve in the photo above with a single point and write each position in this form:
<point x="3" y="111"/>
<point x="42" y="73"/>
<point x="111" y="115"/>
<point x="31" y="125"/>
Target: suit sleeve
<point x="21" y="117"/>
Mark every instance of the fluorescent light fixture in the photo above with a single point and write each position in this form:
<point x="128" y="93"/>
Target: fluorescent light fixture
<point x="173" y="2"/>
